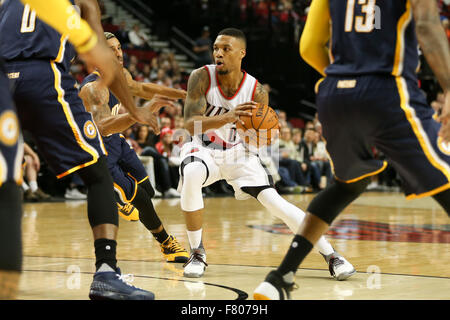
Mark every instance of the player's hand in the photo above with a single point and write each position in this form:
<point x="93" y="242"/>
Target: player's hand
<point x="148" y="113"/>
<point x="158" y="102"/>
<point x="101" y="58"/>
<point x="241" y="110"/>
<point x="444" y="119"/>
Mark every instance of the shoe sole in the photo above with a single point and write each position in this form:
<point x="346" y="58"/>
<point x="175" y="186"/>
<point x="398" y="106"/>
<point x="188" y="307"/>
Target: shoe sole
<point x="179" y="259"/>
<point x="259" y="296"/>
<point x="345" y="275"/>
<point x="97" y="295"/>
<point x="192" y="275"/>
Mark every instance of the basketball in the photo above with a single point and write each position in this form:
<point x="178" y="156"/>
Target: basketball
<point x="261" y="128"/>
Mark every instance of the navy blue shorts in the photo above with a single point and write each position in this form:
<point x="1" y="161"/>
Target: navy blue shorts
<point x="125" y="167"/>
<point x="48" y="106"/>
<point x="11" y="147"/>
<point x="388" y="113"/>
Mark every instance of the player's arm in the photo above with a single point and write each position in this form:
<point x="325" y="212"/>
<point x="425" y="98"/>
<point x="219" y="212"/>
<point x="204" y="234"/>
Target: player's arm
<point x="316" y="35"/>
<point x="91" y="12"/>
<point x="95" y="98"/>
<point x="195" y="106"/>
<point x="435" y="47"/>
<point x="148" y="90"/>
<point x="261" y="95"/>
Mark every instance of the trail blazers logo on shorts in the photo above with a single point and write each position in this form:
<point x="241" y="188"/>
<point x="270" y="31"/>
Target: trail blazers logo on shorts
<point x="9" y="128"/>
<point x="90" y="130"/>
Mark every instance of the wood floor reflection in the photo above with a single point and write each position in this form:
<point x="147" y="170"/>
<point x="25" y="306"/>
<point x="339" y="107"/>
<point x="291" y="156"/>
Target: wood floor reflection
<point x="400" y="248"/>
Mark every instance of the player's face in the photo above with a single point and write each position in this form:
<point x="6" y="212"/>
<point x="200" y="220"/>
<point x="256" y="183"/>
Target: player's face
<point x="115" y="46"/>
<point x="228" y="53"/>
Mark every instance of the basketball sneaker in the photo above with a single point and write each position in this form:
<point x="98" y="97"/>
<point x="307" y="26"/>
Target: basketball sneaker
<point x="173" y="251"/>
<point x="128" y="212"/>
<point x="339" y="267"/>
<point x="112" y="285"/>
<point x="196" y="265"/>
<point x="275" y="287"/>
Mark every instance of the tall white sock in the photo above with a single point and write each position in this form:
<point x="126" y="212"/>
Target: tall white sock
<point x="25" y="186"/>
<point x="290" y="214"/>
<point x="33" y="186"/>
<point x="195" y="238"/>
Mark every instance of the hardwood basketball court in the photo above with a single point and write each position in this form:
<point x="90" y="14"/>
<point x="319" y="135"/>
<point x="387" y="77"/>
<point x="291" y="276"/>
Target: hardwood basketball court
<point x="400" y="248"/>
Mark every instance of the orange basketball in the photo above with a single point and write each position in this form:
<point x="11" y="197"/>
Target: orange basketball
<point x="260" y="128"/>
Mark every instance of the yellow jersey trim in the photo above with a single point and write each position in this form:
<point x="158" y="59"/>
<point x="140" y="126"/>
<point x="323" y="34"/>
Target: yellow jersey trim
<point x="422" y="138"/>
<point x="404" y="20"/>
<point x="366" y="175"/>
<point x="429" y="193"/>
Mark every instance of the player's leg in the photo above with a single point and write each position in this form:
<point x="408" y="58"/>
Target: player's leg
<point x="197" y="170"/>
<point x="11" y="154"/>
<point x="69" y="141"/>
<point x="194" y="174"/>
<point x="443" y="198"/>
<point x="337" y="107"/>
<point x="134" y="177"/>
<point x="253" y="172"/>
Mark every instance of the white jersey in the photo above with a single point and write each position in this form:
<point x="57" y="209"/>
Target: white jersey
<point x="218" y="104"/>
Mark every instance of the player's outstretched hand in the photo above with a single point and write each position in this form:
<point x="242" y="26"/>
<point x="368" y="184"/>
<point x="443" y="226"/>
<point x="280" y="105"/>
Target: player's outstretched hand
<point x="148" y="113"/>
<point x="158" y="102"/>
<point x="444" y="119"/>
<point x="241" y="110"/>
<point x="101" y="57"/>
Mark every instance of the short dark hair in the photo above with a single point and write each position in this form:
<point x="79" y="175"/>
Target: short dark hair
<point x="233" y="32"/>
<point x="109" y="35"/>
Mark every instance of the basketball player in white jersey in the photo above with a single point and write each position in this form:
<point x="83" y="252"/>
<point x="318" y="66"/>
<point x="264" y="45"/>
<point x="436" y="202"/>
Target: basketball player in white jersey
<point x="217" y="96"/>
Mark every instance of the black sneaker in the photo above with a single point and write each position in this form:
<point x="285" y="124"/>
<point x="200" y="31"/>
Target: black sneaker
<point x="274" y="288"/>
<point x="111" y="285"/>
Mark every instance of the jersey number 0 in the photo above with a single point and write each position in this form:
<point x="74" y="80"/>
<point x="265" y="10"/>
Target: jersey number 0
<point x="28" y="20"/>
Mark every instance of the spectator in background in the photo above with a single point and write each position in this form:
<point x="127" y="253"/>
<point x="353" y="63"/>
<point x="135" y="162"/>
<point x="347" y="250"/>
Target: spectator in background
<point x="294" y="179"/>
<point x="168" y="181"/>
<point x="202" y="48"/>
<point x="144" y="137"/>
<point x="138" y="38"/>
<point x="122" y="34"/>
<point x="32" y="166"/>
<point x="302" y="156"/>
<point x="320" y="157"/>
<point x="130" y="137"/>
<point x="307" y="149"/>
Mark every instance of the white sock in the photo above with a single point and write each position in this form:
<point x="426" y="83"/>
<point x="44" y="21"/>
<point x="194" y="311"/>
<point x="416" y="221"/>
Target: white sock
<point x="25" y="187"/>
<point x="195" y="238"/>
<point x="324" y="246"/>
<point x="33" y="186"/>
<point x="290" y="214"/>
<point x="105" y="268"/>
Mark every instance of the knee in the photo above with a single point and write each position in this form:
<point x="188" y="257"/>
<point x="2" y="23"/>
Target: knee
<point x="148" y="188"/>
<point x="194" y="175"/>
<point x="96" y="173"/>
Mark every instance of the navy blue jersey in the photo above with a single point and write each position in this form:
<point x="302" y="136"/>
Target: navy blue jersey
<point x="113" y="141"/>
<point x="372" y="37"/>
<point x="24" y="36"/>
<point x="113" y="103"/>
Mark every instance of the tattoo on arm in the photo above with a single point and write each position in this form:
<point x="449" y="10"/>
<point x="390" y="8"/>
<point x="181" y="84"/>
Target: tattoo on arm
<point x="195" y="104"/>
<point x="261" y="95"/>
<point x="96" y="101"/>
